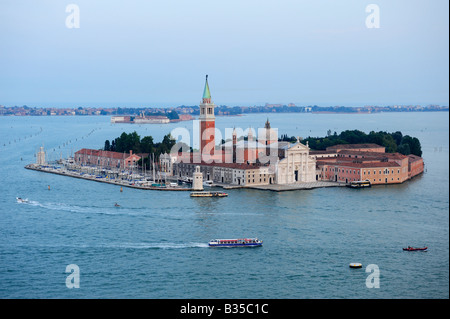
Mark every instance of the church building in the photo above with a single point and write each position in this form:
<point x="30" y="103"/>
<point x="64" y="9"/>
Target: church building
<point x="246" y="162"/>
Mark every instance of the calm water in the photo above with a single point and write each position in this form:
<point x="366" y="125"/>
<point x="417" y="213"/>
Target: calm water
<point x="155" y="244"/>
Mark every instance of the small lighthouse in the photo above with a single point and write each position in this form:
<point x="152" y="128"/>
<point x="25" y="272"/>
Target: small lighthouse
<point x="197" y="182"/>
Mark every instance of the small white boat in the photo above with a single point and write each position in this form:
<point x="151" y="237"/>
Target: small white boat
<point x="208" y="183"/>
<point x="21" y="200"/>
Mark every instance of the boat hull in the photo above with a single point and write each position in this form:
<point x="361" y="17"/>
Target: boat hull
<point x="415" y="249"/>
<point x="208" y="194"/>
<point x="235" y="245"/>
<point x="247" y="242"/>
<point x="359" y="185"/>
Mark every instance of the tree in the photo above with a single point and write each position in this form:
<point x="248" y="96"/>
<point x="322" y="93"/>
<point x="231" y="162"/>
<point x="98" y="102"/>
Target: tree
<point x="393" y="142"/>
<point x="416" y="148"/>
<point x="147" y="145"/>
<point x="107" y="146"/>
<point x="413" y="144"/>
<point x="404" y="149"/>
<point x="128" y="142"/>
<point x="397" y="136"/>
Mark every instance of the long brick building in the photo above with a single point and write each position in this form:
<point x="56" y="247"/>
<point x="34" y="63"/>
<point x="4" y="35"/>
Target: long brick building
<point x="355" y="162"/>
<point x="106" y="159"/>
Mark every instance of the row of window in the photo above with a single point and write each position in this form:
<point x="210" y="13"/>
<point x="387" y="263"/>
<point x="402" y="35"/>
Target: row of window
<point x="385" y="171"/>
<point x="339" y="170"/>
<point x="253" y="180"/>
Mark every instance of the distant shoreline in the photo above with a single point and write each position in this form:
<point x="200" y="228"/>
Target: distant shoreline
<point x="226" y="115"/>
<point x="222" y="110"/>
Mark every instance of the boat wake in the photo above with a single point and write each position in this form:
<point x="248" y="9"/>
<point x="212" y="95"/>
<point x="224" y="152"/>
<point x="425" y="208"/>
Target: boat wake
<point x="163" y="246"/>
<point x="81" y="209"/>
<point x="156" y="245"/>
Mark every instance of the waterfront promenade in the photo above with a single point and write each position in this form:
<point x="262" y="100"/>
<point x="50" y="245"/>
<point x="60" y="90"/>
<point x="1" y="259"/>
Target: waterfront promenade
<point x="141" y="182"/>
<point x="297" y="186"/>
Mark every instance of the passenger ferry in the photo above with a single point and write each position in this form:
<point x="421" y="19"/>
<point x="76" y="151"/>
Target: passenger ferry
<point x="241" y="242"/>
<point x="208" y="194"/>
<point x="359" y="184"/>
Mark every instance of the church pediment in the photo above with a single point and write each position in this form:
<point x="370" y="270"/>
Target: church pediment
<point x="298" y="147"/>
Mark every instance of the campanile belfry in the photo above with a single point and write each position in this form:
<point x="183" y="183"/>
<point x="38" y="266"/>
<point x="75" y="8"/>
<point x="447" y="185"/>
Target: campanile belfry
<point x="207" y="122"/>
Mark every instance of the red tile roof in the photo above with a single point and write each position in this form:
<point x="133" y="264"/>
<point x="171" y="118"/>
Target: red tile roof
<point x="101" y="153"/>
<point x="359" y="164"/>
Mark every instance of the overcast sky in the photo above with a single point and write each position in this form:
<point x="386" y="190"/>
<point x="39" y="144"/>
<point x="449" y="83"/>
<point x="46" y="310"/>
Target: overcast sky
<point x="153" y="53"/>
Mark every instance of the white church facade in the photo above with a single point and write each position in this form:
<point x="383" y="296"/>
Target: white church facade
<point x="296" y="166"/>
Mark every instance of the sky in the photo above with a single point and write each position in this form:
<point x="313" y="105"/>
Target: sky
<point x="157" y="53"/>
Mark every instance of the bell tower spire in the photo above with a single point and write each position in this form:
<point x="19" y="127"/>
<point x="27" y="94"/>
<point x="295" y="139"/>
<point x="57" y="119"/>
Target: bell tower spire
<point x="207" y="122"/>
<point x="206" y="92"/>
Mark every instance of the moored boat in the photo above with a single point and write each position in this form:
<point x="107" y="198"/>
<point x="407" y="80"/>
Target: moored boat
<point x="208" y="194"/>
<point x="409" y="248"/>
<point x="359" y="184"/>
<point x="240" y="242"/>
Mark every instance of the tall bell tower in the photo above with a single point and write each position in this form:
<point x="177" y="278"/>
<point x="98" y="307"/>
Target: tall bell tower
<point x="207" y="122"/>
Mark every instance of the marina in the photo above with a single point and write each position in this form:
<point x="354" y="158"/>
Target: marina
<point x="129" y="180"/>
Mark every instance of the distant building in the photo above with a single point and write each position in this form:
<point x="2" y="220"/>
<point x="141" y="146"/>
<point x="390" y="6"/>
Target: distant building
<point x="120" y="119"/>
<point x="142" y="119"/>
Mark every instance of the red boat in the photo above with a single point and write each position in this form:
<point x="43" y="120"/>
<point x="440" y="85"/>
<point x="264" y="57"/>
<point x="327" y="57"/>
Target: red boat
<point x="409" y="248"/>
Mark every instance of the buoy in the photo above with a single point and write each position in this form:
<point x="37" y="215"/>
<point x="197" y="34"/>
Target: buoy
<point x="355" y="265"/>
<point x="121" y="189"/>
<point x="48" y="187"/>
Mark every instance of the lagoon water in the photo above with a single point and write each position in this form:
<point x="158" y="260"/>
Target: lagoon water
<point x="155" y="244"/>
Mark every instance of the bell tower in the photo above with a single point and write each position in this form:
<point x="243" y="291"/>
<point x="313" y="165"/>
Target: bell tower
<point x="207" y="122"/>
